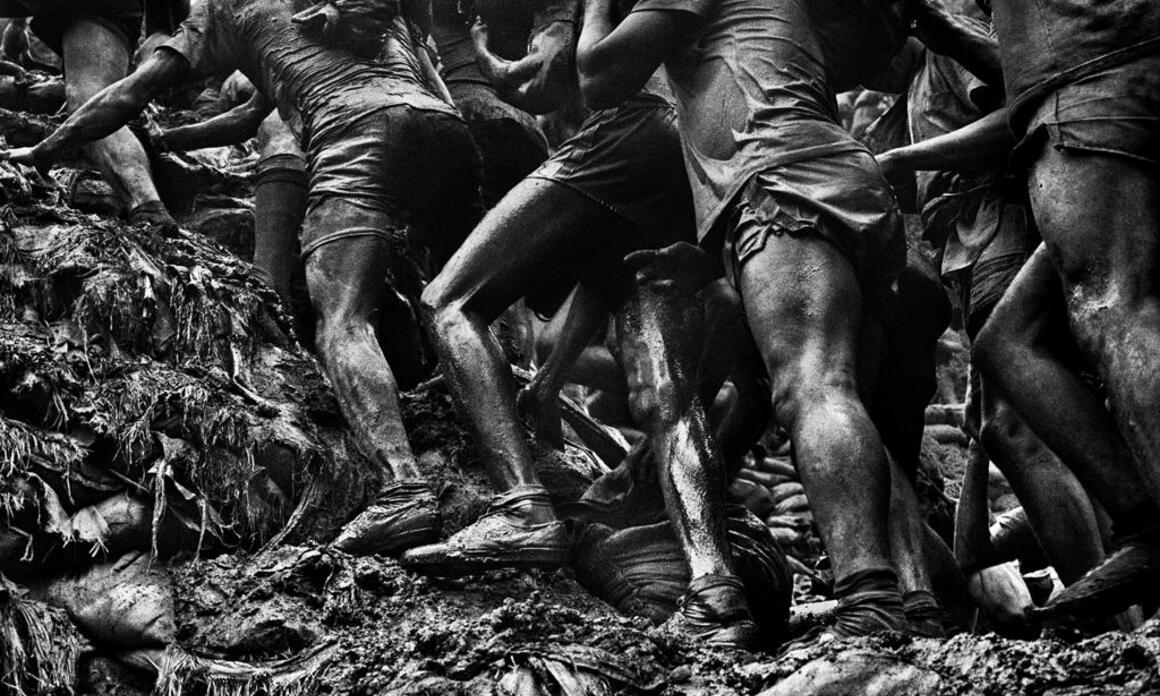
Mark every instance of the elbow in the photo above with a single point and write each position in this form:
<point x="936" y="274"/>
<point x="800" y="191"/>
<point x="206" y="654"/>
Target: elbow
<point x="600" y="87"/>
<point x="598" y="93"/>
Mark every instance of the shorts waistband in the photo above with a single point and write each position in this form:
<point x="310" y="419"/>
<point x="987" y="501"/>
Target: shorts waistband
<point x="389" y="235"/>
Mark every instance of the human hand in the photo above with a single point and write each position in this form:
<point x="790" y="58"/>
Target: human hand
<point x="1002" y="596"/>
<point x="24" y="155"/>
<point x="479" y="34"/>
<point x="156" y="135"/>
<point x="678" y="267"/>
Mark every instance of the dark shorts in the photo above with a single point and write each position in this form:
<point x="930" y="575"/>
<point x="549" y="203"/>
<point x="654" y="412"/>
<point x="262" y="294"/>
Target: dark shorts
<point x="509" y="140"/>
<point x="629" y="160"/>
<point x="393" y="173"/>
<point x="982" y="288"/>
<point x="991" y="234"/>
<point x="841" y="198"/>
<point x="1115" y="111"/>
<point x="51" y="18"/>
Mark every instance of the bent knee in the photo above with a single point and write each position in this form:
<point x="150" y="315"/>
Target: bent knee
<point x="799" y="392"/>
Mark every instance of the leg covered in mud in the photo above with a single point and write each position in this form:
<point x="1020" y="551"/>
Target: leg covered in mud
<point x="538" y="225"/>
<point x="798" y="293"/>
<point x="95" y="56"/>
<point x="660" y="328"/>
<point x="346" y="282"/>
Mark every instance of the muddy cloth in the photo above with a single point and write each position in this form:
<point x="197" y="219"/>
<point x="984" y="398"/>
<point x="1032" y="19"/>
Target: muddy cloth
<point x="393" y="169"/>
<point x="509" y="140"/>
<point x="50" y="18"/>
<point x="382" y="151"/>
<point x="317" y="88"/>
<point x="958" y="208"/>
<point x="628" y="159"/>
<point x="1046" y="44"/>
<point x="1115" y="111"/>
<point x="754" y="93"/>
<point x="841" y="198"/>
<point x="452" y="38"/>
<point x="981" y="288"/>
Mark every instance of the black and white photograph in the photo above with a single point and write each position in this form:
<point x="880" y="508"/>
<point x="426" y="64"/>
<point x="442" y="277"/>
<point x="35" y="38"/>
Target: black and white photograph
<point x="579" y="347"/>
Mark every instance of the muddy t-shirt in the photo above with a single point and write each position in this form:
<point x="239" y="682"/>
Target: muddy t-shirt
<point x="752" y="92"/>
<point x="311" y="83"/>
<point x="1046" y="44"/>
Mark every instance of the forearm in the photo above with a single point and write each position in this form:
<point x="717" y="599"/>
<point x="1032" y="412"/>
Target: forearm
<point x="231" y="128"/>
<point x="984" y="144"/>
<point x="104" y="114"/>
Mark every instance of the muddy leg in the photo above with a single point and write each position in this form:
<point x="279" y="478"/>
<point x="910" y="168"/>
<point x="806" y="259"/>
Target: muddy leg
<point x="803" y="303"/>
<point x="661" y="343"/>
<point x="1025" y="352"/>
<point x="346" y="283"/>
<point x="94" y="58"/>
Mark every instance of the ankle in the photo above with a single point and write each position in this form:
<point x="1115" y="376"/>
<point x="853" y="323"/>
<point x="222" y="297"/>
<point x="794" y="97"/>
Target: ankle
<point x="529" y="503"/>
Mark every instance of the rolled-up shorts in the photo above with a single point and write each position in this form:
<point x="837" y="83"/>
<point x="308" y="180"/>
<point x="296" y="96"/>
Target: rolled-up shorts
<point x="509" y="140"/>
<point x="51" y="18"/>
<point x="398" y="173"/>
<point x="841" y="198"/>
<point x="629" y="161"/>
<point x="998" y="264"/>
<point x="1115" y="112"/>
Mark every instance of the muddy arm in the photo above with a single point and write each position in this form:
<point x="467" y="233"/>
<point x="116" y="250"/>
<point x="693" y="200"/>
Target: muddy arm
<point x="108" y="110"/>
<point x="984" y="144"/>
<point x="615" y="60"/>
<point x="540" y="82"/>
<point x="234" y="126"/>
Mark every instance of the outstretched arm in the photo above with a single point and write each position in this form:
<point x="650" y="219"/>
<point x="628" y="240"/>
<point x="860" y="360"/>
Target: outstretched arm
<point x="615" y="60"/>
<point x="984" y="144"/>
<point x="234" y="126"/>
<point x="540" y="82"/>
<point x="108" y="110"/>
<point x="956" y="37"/>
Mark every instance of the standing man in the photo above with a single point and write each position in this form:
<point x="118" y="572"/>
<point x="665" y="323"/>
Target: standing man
<point x="810" y="233"/>
<point x="1083" y="88"/>
<point x="614" y="188"/>
<point x="96" y="40"/>
<point x="385" y="155"/>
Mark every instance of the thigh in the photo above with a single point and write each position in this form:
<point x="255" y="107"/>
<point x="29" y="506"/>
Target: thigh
<point x="349" y="258"/>
<point x="804" y="307"/>
<point x="1100" y="218"/>
<point x="95" y="55"/>
<point x="539" y="232"/>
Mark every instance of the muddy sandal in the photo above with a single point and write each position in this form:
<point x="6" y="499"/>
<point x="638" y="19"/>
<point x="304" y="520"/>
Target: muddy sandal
<point x="714" y="610"/>
<point x="501" y="538"/>
<point x="405" y="514"/>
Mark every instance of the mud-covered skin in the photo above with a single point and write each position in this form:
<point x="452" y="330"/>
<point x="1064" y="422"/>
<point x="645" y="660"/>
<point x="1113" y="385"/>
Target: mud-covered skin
<point x="94" y="57"/>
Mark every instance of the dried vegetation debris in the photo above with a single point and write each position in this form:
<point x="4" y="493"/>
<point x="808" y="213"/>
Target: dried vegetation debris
<point x="161" y="361"/>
